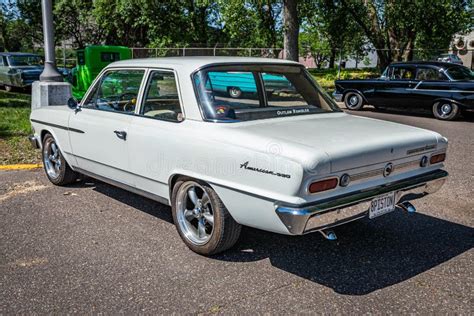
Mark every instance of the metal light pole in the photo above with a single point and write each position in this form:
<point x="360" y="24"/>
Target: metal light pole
<point x="50" y="73"/>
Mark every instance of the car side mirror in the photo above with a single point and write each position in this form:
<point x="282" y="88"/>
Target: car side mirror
<point x="73" y="104"/>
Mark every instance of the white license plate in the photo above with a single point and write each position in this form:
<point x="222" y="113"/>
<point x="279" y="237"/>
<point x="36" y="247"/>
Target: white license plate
<point x="382" y="205"/>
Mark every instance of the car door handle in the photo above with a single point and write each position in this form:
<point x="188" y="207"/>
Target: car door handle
<point x="121" y="134"/>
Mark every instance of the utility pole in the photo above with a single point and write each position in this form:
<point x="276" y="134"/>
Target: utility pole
<point x="50" y="73"/>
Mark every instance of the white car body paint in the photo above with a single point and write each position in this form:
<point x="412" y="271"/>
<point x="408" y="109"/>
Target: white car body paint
<point x="306" y="147"/>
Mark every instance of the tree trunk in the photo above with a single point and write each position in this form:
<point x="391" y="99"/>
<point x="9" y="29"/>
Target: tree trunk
<point x="332" y="58"/>
<point x="291" y="29"/>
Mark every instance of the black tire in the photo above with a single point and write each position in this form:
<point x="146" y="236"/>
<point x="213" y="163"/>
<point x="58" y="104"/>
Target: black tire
<point x="445" y="110"/>
<point x="353" y="101"/>
<point x="234" y="92"/>
<point x="225" y="231"/>
<point x="57" y="170"/>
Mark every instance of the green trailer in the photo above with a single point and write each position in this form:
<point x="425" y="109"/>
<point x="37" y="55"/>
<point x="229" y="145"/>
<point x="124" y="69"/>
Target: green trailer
<point x="90" y="62"/>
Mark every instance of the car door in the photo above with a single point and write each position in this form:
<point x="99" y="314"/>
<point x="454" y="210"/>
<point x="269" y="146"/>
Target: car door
<point x="155" y="144"/>
<point x="395" y="91"/>
<point x="431" y="84"/>
<point x="104" y="119"/>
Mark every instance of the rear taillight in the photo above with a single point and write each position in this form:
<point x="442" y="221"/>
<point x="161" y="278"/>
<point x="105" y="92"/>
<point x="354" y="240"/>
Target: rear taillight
<point x="437" y="158"/>
<point x="322" y="185"/>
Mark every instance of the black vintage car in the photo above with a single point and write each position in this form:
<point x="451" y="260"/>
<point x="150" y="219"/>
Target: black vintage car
<point x="445" y="88"/>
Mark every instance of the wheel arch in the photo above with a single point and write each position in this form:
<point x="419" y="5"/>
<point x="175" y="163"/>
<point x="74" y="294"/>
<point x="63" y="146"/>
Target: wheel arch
<point x="443" y="99"/>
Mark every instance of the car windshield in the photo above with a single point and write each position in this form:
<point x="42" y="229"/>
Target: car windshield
<point x="460" y="73"/>
<point x="27" y="60"/>
<point x="252" y="92"/>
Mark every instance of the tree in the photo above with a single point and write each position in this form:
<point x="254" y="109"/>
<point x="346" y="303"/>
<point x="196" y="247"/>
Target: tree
<point x="394" y="26"/>
<point x="250" y="23"/>
<point x="290" y="29"/>
<point x="75" y="22"/>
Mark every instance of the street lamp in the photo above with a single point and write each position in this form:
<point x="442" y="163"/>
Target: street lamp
<point x="50" y="73"/>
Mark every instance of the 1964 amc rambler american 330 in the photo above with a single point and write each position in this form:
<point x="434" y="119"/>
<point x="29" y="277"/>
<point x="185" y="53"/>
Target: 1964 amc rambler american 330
<point x="287" y="161"/>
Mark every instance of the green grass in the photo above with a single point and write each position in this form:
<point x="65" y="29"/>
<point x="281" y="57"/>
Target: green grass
<point x="14" y="127"/>
<point x="326" y="77"/>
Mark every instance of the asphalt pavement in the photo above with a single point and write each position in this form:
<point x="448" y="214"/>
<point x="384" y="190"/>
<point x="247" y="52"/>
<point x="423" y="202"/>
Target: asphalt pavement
<point x="94" y="248"/>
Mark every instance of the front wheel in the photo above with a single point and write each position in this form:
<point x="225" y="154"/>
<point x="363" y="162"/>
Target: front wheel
<point x="445" y="110"/>
<point x="353" y="101"/>
<point x="56" y="167"/>
<point x="201" y="218"/>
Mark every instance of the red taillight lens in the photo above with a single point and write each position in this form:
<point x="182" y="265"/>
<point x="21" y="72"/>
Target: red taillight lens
<point x="437" y="158"/>
<point x="323" y="185"/>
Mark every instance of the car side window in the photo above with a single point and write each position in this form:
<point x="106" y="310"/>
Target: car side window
<point x="117" y="91"/>
<point x="424" y="73"/>
<point x="161" y="99"/>
<point x="281" y="92"/>
<point x="1" y="60"/>
<point x="402" y="73"/>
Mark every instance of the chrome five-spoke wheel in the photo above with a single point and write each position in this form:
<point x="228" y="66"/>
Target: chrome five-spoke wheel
<point x="201" y="218"/>
<point x="195" y="213"/>
<point x="52" y="161"/>
<point x="56" y="167"/>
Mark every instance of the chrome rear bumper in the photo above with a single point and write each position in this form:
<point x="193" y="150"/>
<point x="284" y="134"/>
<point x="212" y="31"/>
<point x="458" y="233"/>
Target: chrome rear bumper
<point x="337" y="96"/>
<point x="302" y="219"/>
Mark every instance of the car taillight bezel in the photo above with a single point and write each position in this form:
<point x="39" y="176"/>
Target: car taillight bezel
<point x="324" y="185"/>
<point x="437" y="158"/>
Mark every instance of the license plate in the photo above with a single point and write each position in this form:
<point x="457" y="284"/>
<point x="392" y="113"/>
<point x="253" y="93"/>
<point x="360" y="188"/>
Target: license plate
<point x="382" y="205"/>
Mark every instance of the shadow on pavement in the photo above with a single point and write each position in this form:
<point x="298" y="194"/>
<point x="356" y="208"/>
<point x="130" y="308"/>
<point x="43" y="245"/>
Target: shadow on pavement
<point x="369" y="254"/>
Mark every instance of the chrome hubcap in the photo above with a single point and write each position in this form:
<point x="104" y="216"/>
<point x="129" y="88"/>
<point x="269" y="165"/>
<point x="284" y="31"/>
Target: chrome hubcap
<point x="51" y="159"/>
<point x="234" y="92"/>
<point x="446" y="109"/>
<point x="194" y="213"/>
<point x="353" y="100"/>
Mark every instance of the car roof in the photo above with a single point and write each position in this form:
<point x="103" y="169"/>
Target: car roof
<point x="426" y="63"/>
<point x="17" y="54"/>
<point x="195" y="62"/>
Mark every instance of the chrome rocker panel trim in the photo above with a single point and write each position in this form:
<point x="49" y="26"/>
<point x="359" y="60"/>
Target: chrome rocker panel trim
<point x="341" y="209"/>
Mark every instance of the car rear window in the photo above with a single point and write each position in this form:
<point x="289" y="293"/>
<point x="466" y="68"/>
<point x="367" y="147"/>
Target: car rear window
<point x="251" y="92"/>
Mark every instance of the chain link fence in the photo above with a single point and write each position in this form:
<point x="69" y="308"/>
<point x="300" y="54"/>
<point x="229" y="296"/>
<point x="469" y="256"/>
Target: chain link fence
<point x="65" y="57"/>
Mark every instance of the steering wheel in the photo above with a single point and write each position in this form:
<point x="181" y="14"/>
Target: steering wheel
<point x="132" y="99"/>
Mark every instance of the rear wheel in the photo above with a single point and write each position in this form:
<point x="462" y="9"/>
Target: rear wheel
<point x="234" y="92"/>
<point x="353" y="101"/>
<point x="201" y="218"/>
<point x="56" y="168"/>
<point x="445" y="110"/>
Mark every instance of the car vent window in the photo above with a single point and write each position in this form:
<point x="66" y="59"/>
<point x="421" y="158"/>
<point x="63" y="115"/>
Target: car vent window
<point x="161" y="99"/>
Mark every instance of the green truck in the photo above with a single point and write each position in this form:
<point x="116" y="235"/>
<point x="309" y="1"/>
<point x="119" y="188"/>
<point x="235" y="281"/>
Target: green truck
<point x="90" y="62"/>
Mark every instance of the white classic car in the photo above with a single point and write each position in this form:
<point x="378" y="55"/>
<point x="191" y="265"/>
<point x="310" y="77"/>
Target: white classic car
<point x="283" y="160"/>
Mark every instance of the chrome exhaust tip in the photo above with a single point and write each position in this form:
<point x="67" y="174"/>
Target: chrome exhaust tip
<point x="407" y="206"/>
<point x="328" y="234"/>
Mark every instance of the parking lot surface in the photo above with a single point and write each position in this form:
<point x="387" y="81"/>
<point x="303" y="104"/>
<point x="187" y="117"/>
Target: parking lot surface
<point x="95" y="248"/>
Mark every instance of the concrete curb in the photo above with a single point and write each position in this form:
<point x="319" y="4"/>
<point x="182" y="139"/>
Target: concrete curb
<point x="21" y="166"/>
